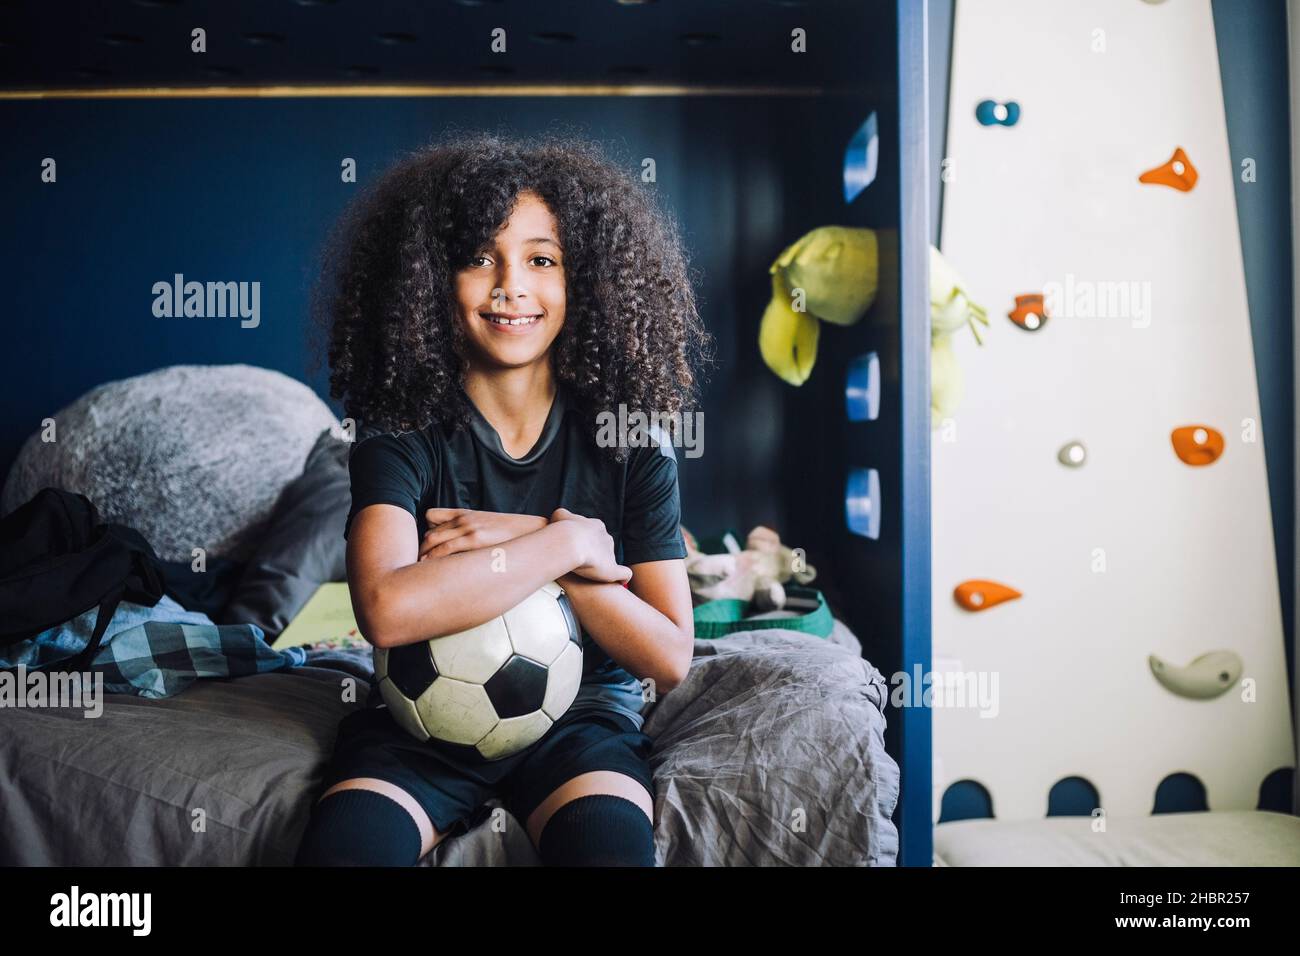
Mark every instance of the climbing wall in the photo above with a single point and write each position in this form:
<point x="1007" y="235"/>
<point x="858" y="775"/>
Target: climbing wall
<point x="1106" y="461"/>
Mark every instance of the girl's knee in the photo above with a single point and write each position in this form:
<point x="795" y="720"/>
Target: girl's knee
<point x="584" y="784"/>
<point x="599" y="829"/>
<point x="429" y="835"/>
<point x="366" y="822"/>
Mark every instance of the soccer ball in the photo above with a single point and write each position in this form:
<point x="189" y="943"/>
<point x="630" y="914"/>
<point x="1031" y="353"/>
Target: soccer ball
<point x="497" y="687"/>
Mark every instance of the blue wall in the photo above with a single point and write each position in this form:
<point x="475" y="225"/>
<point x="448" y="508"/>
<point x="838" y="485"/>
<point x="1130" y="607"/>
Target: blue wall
<point x="245" y="189"/>
<point x="1252" y="37"/>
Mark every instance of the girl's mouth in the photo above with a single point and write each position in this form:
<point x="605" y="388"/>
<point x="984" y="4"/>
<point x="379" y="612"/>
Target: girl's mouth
<point x="511" y="324"/>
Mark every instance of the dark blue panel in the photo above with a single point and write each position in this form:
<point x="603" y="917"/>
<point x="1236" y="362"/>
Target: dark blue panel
<point x="76" y="43"/>
<point x="1275" y="791"/>
<point x="1072" y="797"/>
<point x="917" y="848"/>
<point x="1253" y="57"/>
<point x="965" y="800"/>
<point x="1179" y="793"/>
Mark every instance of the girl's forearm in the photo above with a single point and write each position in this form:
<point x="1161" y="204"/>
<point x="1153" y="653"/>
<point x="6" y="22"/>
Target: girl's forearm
<point x="440" y="596"/>
<point x="637" y="635"/>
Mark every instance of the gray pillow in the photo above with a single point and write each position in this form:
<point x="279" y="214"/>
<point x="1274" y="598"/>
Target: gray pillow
<point x="302" y="546"/>
<point x="191" y="456"/>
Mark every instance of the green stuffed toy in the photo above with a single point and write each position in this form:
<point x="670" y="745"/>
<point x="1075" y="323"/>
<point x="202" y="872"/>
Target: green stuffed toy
<point x="831" y="274"/>
<point x="951" y="309"/>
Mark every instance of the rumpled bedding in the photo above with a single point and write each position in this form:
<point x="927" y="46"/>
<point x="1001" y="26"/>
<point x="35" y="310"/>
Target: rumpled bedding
<point x="153" y="651"/>
<point x="771" y="752"/>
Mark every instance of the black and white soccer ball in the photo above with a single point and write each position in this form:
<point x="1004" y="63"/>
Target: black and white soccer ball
<point x="497" y="687"/>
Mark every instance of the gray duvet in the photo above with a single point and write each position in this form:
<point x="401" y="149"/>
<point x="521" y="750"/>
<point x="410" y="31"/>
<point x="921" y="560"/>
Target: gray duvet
<point x="771" y="752"/>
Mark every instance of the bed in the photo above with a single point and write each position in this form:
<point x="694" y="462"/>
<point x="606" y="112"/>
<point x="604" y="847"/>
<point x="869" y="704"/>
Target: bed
<point x="1204" y="838"/>
<point x="770" y="726"/>
<point x="771" y="752"/>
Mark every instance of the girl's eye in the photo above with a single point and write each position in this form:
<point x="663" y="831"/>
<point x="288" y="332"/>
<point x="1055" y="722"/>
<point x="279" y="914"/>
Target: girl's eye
<point x="474" y="260"/>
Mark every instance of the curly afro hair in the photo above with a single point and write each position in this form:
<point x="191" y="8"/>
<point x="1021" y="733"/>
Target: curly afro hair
<point x="386" y="301"/>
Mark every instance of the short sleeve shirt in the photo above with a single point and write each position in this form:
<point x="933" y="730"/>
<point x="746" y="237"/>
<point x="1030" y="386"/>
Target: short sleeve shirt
<point x="442" y="466"/>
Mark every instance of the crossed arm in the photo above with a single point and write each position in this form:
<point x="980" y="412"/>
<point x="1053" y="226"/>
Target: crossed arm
<point x="647" y="627"/>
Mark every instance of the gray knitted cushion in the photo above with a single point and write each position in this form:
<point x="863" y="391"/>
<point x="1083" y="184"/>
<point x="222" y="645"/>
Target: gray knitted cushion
<point x="191" y="456"/>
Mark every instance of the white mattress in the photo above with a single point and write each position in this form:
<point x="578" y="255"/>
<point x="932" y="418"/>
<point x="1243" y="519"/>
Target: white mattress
<point x="1222" y="838"/>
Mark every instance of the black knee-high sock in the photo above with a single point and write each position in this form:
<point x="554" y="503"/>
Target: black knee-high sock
<point x="359" y="828"/>
<point x="600" y="829"/>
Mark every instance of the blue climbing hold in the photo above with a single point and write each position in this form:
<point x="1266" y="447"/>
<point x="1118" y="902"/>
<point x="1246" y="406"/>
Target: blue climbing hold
<point x="992" y="113"/>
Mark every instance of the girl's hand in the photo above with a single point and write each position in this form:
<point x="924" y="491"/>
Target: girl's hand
<point x="595" y="548"/>
<point x="461" y="529"/>
<point x="574" y="581"/>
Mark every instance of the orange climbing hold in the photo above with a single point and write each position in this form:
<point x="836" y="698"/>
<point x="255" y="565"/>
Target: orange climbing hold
<point x="1030" y="313"/>
<point x="1197" y="444"/>
<point x="1178" y="173"/>
<point x="982" y="595"/>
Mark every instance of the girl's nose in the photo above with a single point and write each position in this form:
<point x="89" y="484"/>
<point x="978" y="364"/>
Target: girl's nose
<point x="504" y="300"/>
<point x="510" y="286"/>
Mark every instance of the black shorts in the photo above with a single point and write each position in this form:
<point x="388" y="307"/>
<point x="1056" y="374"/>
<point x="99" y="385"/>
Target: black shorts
<point x="451" y="782"/>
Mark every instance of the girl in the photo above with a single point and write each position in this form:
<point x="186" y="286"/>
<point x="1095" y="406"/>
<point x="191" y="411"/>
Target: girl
<point x="484" y="302"/>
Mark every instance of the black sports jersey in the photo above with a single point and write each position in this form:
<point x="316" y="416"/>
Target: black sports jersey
<point x="442" y="466"/>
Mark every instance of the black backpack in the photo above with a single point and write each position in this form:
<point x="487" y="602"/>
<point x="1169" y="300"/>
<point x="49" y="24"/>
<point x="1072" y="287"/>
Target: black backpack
<point x="58" y="561"/>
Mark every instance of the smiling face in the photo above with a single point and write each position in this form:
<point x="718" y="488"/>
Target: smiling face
<point x="511" y="294"/>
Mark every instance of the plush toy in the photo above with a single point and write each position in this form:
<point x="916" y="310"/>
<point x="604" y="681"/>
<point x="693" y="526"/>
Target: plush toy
<point x="755" y="573"/>
<point x="951" y="308"/>
<point x="831" y="274"/>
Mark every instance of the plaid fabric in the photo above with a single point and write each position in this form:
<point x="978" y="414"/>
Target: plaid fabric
<point x="156" y="652"/>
